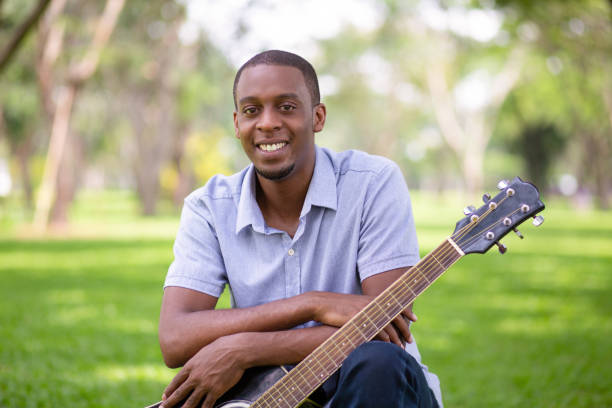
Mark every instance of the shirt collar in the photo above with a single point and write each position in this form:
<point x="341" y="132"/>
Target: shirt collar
<point x="322" y="189"/>
<point x="321" y="193"/>
<point x="248" y="210"/>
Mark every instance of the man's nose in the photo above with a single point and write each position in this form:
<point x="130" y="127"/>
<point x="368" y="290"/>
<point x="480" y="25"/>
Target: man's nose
<point x="269" y="121"/>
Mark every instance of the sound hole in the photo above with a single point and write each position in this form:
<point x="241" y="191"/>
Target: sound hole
<point x="235" y="404"/>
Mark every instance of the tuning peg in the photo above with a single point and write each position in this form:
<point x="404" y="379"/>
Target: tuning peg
<point x="502" y="248"/>
<point x="517" y="232"/>
<point x="486" y="198"/>
<point x="469" y="209"/>
<point x="538" y="220"/>
<point x="503" y="184"/>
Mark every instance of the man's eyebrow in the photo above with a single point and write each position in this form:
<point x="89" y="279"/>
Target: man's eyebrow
<point x="288" y="96"/>
<point x="247" y="99"/>
<point x="251" y="99"/>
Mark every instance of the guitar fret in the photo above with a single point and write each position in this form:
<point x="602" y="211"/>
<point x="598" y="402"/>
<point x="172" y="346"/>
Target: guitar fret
<point x="439" y="263"/>
<point x="422" y="274"/>
<point x="368" y="326"/>
<point x="384" y="312"/>
<point x="359" y="331"/>
<point x="403" y="282"/>
<point x="290" y="390"/>
<point x="275" y="397"/>
<point x="341" y="353"/>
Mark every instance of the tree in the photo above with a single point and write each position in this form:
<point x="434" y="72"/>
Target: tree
<point x="574" y="43"/>
<point x="166" y="89"/>
<point x="20" y="32"/>
<point x="77" y="74"/>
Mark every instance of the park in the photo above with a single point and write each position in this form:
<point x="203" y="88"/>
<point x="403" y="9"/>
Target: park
<point x="111" y="112"/>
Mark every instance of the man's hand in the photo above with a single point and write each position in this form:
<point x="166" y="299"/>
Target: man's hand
<point x="335" y="309"/>
<point x="206" y="376"/>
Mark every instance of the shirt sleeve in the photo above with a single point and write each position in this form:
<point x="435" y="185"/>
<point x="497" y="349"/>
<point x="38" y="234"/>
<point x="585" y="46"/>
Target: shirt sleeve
<point x="387" y="237"/>
<point x="198" y="263"/>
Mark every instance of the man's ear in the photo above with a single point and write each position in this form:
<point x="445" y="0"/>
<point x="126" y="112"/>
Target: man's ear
<point x="236" y="125"/>
<point x="318" y="117"/>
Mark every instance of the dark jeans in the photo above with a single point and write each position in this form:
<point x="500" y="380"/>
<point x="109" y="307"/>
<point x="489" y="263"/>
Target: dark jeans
<point x="379" y="375"/>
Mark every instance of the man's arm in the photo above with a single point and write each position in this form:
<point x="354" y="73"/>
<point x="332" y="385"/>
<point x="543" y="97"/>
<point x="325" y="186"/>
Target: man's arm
<point x="189" y="322"/>
<point x="253" y="336"/>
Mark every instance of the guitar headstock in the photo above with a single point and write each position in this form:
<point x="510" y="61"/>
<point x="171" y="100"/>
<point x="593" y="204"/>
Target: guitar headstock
<point x="482" y="228"/>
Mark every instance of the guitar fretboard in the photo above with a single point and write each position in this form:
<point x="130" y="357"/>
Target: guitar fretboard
<point x="307" y="376"/>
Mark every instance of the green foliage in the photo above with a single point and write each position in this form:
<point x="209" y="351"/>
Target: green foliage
<point x="539" y="145"/>
<point x="529" y="328"/>
<point x="19" y="102"/>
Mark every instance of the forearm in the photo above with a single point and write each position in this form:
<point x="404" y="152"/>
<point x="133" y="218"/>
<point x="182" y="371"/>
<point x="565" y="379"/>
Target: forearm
<point x="182" y="333"/>
<point x="280" y="347"/>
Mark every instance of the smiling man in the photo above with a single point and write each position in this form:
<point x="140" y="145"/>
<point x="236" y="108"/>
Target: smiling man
<point x="305" y="238"/>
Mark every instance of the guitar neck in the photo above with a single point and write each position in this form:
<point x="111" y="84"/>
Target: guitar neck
<point x="307" y="376"/>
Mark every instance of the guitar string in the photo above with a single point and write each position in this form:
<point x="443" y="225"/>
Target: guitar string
<point x="444" y="252"/>
<point x="459" y="235"/>
<point x="494" y="224"/>
<point x="276" y="394"/>
<point x="355" y="329"/>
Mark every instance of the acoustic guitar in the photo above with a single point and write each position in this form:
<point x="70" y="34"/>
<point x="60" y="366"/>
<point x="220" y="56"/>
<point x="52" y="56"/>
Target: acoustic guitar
<point x="477" y="232"/>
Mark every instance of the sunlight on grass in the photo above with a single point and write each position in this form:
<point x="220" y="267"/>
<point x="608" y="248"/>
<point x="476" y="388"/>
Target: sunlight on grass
<point x="120" y="373"/>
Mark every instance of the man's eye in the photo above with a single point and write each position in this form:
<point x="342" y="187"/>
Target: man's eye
<point x="249" y="111"/>
<point x="287" y="108"/>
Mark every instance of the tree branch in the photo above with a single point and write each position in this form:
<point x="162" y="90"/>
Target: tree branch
<point x="21" y="32"/>
<point x="86" y="67"/>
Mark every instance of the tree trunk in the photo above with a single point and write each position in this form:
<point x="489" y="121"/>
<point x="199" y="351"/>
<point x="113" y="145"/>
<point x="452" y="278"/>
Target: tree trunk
<point x="67" y="180"/>
<point x="185" y="178"/>
<point x="24" y="152"/>
<point x="57" y="143"/>
<point x="154" y="125"/>
<point x="78" y="73"/>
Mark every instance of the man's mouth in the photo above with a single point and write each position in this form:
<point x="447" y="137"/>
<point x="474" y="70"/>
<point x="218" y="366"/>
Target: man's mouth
<point x="271" y="147"/>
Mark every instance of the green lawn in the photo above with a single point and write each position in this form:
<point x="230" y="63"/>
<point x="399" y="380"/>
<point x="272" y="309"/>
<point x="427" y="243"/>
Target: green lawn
<point x="78" y="321"/>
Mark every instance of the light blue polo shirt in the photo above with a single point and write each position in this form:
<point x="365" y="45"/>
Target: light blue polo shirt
<point x="356" y="222"/>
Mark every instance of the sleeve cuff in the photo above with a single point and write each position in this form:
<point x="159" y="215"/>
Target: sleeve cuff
<point x="194" y="284"/>
<point x="374" y="268"/>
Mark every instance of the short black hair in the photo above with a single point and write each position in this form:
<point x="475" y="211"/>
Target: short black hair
<point x="277" y="57"/>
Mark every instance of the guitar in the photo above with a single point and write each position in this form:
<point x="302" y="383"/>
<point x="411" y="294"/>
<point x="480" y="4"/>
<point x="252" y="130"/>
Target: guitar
<point x="477" y="232"/>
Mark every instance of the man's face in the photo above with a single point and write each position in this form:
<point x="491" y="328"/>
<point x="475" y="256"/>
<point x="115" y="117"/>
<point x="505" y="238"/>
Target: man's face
<point x="275" y="120"/>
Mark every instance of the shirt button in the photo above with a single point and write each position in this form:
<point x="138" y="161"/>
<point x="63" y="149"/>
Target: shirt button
<point x="291" y="252"/>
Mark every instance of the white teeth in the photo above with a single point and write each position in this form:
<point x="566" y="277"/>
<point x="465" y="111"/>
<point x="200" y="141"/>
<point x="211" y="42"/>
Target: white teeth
<point x="272" y="147"/>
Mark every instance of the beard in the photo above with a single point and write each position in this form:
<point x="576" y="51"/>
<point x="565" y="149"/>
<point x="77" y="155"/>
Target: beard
<point x="276" y="175"/>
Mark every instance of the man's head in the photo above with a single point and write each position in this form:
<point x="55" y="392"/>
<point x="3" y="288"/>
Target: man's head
<point x="277" y="114"/>
<point x="284" y="58"/>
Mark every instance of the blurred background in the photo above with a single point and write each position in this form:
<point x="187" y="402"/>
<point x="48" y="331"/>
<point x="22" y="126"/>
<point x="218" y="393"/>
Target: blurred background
<point x="112" y="111"/>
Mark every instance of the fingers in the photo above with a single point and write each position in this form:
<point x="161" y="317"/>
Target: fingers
<point x="171" y="388"/>
<point x="194" y="399"/>
<point x="177" y="396"/>
<point x="389" y="335"/>
<point x="394" y="336"/>
<point x="402" y="326"/>
<point x="210" y="400"/>
<point x="383" y="336"/>
<point x="410" y="315"/>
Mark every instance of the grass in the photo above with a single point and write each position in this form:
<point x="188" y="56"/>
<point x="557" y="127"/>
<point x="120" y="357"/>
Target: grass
<point x="78" y="325"/>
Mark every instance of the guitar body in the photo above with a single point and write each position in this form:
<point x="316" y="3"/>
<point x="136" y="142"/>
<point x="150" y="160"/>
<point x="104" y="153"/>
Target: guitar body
<point x="251" y="386"/>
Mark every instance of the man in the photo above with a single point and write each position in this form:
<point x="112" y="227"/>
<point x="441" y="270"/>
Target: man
<point x="305" y="238"/>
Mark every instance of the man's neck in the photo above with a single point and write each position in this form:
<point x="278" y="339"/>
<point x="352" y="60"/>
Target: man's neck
<point x="281" y="202"/>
